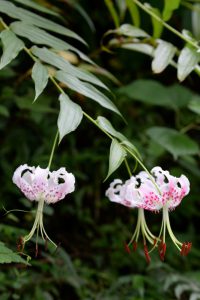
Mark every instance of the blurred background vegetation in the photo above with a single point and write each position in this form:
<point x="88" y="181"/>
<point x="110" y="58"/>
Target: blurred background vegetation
<point x="90" y="262"/>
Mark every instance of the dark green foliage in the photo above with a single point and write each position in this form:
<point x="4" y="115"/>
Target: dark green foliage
<point x="90" y="262"/>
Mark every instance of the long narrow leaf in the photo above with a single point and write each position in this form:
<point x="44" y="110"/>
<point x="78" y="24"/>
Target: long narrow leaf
<point x="41" y="37"/>
<point x="12" y="45"/>
<point x="107" y="126"/>
<point x="40" y="76"/>
<point x="170" y="6"/>
<point x="24" y="15"/>
<point x="59" y="62"/>
<point x="113" y="12"/>
<point x="38" y="7"/>
<point x="87" y="90"/>
<point x="187" y="61"/>
<point x="69" y="117"/>
<point x="162" y="56"/>
<point x="134" y="12"/>
<point x="116" y="157"/>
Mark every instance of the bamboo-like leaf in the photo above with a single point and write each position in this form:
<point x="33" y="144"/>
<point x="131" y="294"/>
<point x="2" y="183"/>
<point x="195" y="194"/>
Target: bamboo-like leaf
<point x="26" y="16"/>
<point x="187" y="61"/>
<point x="162" y="56"/>
<point x="38" y="7"/>
<point x="157" y="26"/>
<point x="41" y="37"/>
<point x="107" y="126"/>
<point x="116" y="157"/>
<point x="40" y="77"/>
<point x="83" y="13"/>
<point x="139" y="47"/>
<point x="69" y="117"/>
<point x="113" y="12"/>
<point x="87" y="90"/>
<point x="170" y="6"/>
<point x="176" y="143"/>
<point x="12" y="45"/>
<point x="196" y="20"/>
<point x="59" y="62"/>
<point x="134" y="12"/>
<point x="130" y="30"/>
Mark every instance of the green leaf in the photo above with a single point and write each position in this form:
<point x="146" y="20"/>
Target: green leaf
<point x="176" y="143"/>
<point x="163" y="55"/>
<point x="130" y="31"/>
<point x="194" y="105"/>
<point x="4" y="111"/>
<point x="26" y="16"/>
<point x="69" y="117"/>
<point x="38" y="7"/>
<point x="187" y="61"/>
<point x="8" y="256"/>
<point x="180" y="96"/>
<point x="196" y="20"/>
<point x="134" y="12"/>
<point x="157" y="25"/>
<point x="117" y="156"/>
<point x="41" y="37"/>
<point x="59" y="62"/>
<point x="40" y="77"/>
<point x="113" y="12"/>
<point x="87" y="90"/>
<point x="147" y="91"/>
<point x="39" y="107"/>
<point x="11" y="47"/>
<point x="170" y="6"/>
<point x="139" y="47"/>
<point x="107" y="126"/>
<point x="83" y="13"/>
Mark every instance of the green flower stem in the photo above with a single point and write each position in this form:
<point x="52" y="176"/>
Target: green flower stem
<point x="176" y="32"/>
<point x="53" y="149"/>
<point x="127" y="167"/>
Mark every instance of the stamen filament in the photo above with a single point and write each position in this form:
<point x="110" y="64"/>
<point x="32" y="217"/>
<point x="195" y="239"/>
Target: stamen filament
<point x="142" y="226"/>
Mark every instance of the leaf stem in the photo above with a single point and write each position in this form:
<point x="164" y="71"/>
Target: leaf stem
<point x="156" y="17"/>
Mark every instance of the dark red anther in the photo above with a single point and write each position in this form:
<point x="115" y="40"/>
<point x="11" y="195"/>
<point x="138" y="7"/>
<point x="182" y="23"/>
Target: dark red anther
<point x="146" y="252"/>
<point x="127" y="249"/>
<point x="134" y="246"/>
<point x="185" y="249"/>
<point x="162" y="250"/>
<point x="20" y="244"/>
<point x="36" y="250"/>
<point x="155" y="242"/>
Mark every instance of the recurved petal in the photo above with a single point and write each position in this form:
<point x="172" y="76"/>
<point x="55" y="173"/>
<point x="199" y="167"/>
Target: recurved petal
<point x="18" y="174"/>
<point x="60" y="184"/>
